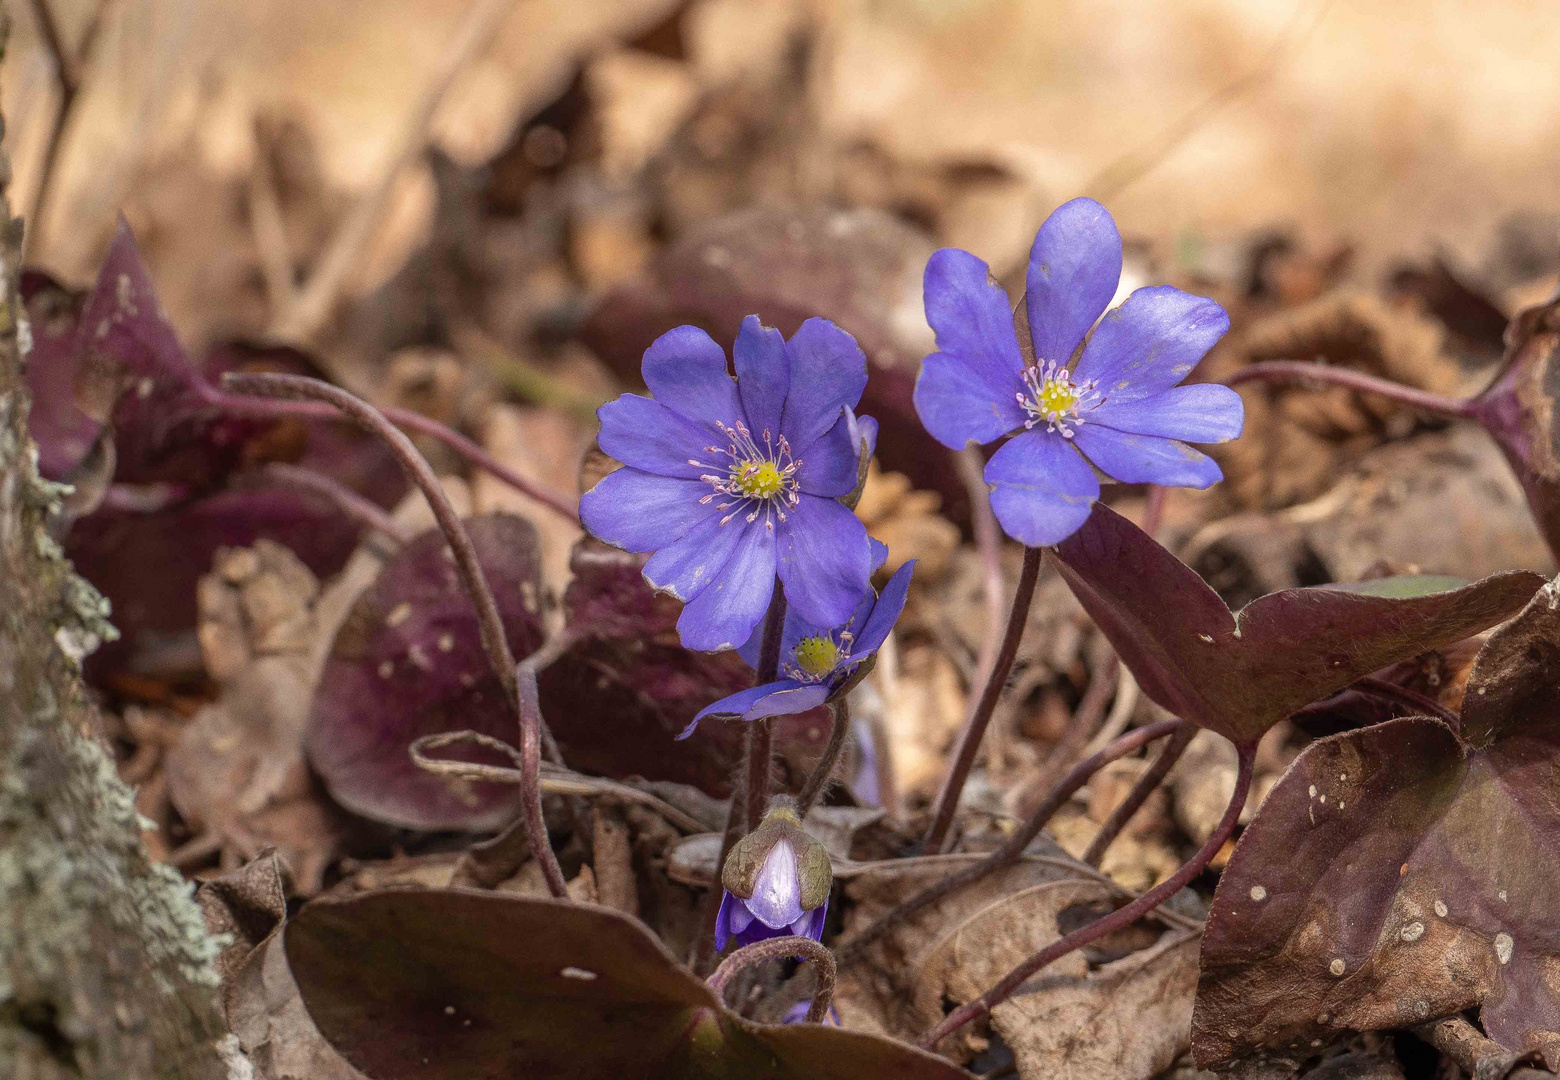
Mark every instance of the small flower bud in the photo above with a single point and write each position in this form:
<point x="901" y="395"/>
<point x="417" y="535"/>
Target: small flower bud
<point x="777" y="881"/>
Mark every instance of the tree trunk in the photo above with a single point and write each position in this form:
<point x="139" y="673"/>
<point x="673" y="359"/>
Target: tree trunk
<point x="105" y="963"/>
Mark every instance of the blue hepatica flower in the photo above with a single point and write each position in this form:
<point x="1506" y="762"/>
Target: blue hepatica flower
<point x="817" y="663"/>
<point x="1119" y="407"/>
<point x="732" y="481"/>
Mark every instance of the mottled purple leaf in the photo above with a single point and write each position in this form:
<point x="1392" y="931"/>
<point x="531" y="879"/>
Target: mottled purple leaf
<point x="1241" y="673"/>
<point x="62" y="431"/>
<point x="1403" y="873"/>
<point x="454" y="984"/>
<point x="408" y="662"/>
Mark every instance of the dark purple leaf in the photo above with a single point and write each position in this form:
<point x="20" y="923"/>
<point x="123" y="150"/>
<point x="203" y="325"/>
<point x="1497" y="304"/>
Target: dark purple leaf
<point x="860" y="268"/>
<point x="408" y="662"/>
<point x="618" y="699"/>
<point x="62" y="431"/>
<point x="456" y="983"/>
<point x="1239" y="674"/>
<point x="1401" y="873"/>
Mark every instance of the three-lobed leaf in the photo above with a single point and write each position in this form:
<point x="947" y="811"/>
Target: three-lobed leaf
<point x="412" y="984"/>
<point x="1239" y="673"/>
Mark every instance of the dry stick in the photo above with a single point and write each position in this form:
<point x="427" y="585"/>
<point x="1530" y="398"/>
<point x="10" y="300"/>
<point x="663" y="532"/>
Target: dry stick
<point x="758" y="750"/>
<point x="975" y="727"/>
<point x="1300" y="370"/>
<point x="520" y="692"/>
<point x="401" y="418"/>
<point x="316" y="301"/>
<point x="345" y="499"/>
<point x="1412" y="699"/>
<point x="802" y="948"/>
<point x="1014" y="848"/>
<point x="818" y="779"/>
<point x="1169" y="754"/>
<point x="1116" y="920"/>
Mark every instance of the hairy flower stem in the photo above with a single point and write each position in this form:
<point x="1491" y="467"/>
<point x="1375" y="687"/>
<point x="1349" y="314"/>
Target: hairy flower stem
<point x="1116" y="920"/>
<point x="1169" y="754"/>
<point x="1010" y="852"/>
<point x="345" y="499"/>
<point x="975" y="727"/>
<point x="802" y="948"/>
<point x="533" y="731"/>
<point x="1301" y="370"/>
<point x="759" y="746"/>
<point x="818" y="779"/>
<point x="401" y="418"/>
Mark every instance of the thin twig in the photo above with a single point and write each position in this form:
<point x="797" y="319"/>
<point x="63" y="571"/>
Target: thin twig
<point x="1169" y="754"/>
<point x="518" y="689"/>
<point x="784" y="948"/>
<point x="345" y="499"/>
<point x="1010" y="851"/>
<point x="316" y="301"/>
<point x="1305" y="371"/>
<point x="1121" y="709"/>
<point x="270" y="232"/>
<point x="975" y="726"/>
<point x="1116" y="920"/>
<point x="758" y="751"/>
<point x="818" y="779"/>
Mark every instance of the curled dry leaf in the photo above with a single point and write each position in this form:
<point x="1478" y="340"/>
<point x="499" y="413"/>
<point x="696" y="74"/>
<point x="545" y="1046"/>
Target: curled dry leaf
<point x="438" y="984"/>
<point x="407" y="661"/>
<point x="1402" y="873"/>
<point x="1240" y="673"/>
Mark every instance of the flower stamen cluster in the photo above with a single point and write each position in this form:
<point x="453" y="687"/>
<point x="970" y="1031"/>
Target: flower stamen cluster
<point x="757" y="480"/>
<point x="815" y="658"/>
<point x="1051" y="397"/>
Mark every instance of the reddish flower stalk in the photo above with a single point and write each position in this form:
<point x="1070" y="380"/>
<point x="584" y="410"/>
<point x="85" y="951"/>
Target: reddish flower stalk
<point x="1116" y="920"/>
<point x="818" y="779"/>
<point x="519" y="689"/>
<point x="1014" y="848"/>
<point x="1169" y="754"/>
<point x="759" y="744"/>
<point x="1300" y="370"/>
<point x="345" y="499"/>
<point x="975" y="727"/>
<point x="802" y="948"/>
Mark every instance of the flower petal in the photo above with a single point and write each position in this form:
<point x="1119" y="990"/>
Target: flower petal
<point x="879" y="553"/>
<point x="1150" y="343"/>
<point x="973" y="320"/>
<point x="1043" y="491"/>
<point x="1074" y="268"/>
<point x="1144" y="459"/>
<point x="865" y="430"/>
<point x="794" y="630"/>
<point x="729" y="906"/>
<point x="811" y="923"/>
<point x="727" y="608"/>
<point x="651" y="437"/>
<point x="797" y="698"/>
<point x="824" y="560"/>
<point x="828" y="374"/>
<point x="829" y="467"/>
<point x="958" y="408"/>
<point x="1201" y="413"/>
<point x="763" y="374"/>
<point x="686" y="371"/>
<point x="640" y="511"/>
<point x="777" y="891"/>
<point x="739" y="703"/>
<point x="684" y="568"/>
<point x="886" y="612"/>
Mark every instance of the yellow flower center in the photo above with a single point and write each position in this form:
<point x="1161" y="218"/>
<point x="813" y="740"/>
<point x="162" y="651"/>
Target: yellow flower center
<point x="817" y="656"/>
<point x="757" y="479"/>
<point x="1057" y="396"/>
<point x="1052" y="398"/>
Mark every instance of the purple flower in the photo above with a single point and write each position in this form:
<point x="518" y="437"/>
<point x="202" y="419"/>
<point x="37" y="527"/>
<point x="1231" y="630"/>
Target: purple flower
<point x="777" y="881"/>
<point x="733" y="481"/>
<point x="1119" y="407"/>
<point x="818" y="663"/>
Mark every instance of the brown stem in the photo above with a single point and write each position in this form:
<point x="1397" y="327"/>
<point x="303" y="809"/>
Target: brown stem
<point x="519" y="687"/>
<point x="1297" y="370"/>
<point x="1116" y="920"/>
<point x="1412" y="699"/>
<point x="1011" y="851"/>
<point x="346" y="500"/>
<point x="760" y="952"/>
<point x="818" y="779"/>
<point x="401" y="418"/>
<point x="758" y="752"/>
<point x="531" y="728"/>
<point x="988" y="541"/>
<point x="1169" y="754"/>
<point x="975" y="727"/>
<point x="67" y="67"/>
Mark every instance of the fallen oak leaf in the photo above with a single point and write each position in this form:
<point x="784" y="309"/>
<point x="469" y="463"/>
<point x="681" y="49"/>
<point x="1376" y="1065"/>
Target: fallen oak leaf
<point x="1240" y="673"/>
<point x="421" y="984"/>
<point x="1403" y="873"/>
